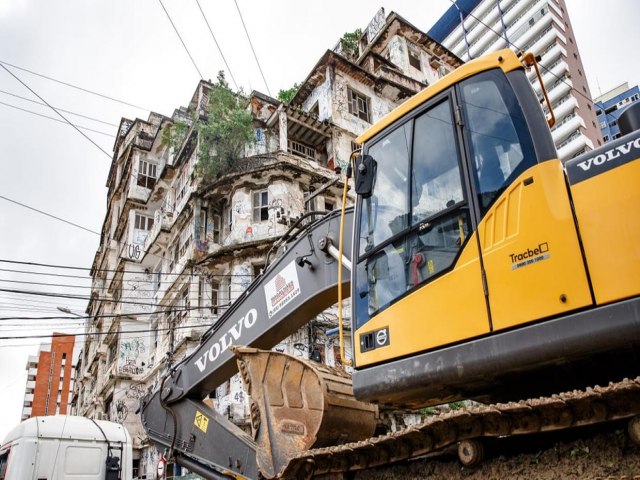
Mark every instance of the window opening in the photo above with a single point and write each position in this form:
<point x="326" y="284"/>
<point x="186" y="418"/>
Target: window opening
<point x="260" y="206"/>
<point x="358" y="105"/>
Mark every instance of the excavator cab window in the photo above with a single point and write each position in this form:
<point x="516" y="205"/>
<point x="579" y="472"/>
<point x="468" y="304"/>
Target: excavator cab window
<point x="500" y="142"/>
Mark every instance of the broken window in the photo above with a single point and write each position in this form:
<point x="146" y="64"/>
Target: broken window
<point x="358" y="105"/>
<point x="260" y="206"/>
<point x="147" y="173"/>
<point x="414" y="59"/>
<point x="315" y="109"/>
<point x="185" y="240"/>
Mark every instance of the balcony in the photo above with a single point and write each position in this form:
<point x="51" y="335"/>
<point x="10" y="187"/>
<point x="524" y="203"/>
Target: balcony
<point x="31" y="385"/>
<point x="160" y="232"/>
<point x="564" y="107"/>
<point x="32" y="371"/>
<point x="26" y="412"/>
<point x="571" y="147"/>
<point x="566" y="127"/>
<point x="28" y="397"/>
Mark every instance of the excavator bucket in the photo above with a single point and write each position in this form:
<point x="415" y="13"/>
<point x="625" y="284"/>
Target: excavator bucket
<point x="297" y="405"/>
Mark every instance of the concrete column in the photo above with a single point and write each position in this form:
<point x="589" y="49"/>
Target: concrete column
<point x="282" y="118"/>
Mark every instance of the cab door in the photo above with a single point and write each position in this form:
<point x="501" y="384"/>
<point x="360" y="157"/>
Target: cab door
<point x="528" y="240"/>
<point x="418" y="281"/>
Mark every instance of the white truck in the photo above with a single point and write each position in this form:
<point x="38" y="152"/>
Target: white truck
<point x="65" y="447"/>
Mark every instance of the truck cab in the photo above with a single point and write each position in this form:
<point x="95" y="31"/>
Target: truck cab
<point x="66" y="447"/>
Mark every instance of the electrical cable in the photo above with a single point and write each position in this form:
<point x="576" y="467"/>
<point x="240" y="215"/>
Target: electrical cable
<point x="53" y="108"/>
<point x="561" y="79"/>
<point x="50" y="215"/>
<point x="61" y="109"/>
<point x="68" y="267"/>
<point x="56" y="119"/>
<point x="181" y="41"/>
<point x="252" y="49"/>
<point x="217" y="45"/>
<point x="86" y="90"/>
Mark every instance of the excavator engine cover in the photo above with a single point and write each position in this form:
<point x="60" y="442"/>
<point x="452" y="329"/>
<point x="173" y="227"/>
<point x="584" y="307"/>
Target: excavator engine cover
<point x="297" y="405"/>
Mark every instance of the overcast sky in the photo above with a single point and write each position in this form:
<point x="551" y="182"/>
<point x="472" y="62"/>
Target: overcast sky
<point x="128" y="50"/>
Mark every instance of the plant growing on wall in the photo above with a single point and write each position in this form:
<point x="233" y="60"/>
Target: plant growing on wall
<point x="224" y="132"/>
<point x="285" y="96"/>
<point x="349" y="43"/>
<point x="174" y="135"/>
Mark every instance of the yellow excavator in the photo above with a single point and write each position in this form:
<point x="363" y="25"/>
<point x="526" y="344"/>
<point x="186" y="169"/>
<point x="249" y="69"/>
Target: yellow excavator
<point x="479" y="267"/>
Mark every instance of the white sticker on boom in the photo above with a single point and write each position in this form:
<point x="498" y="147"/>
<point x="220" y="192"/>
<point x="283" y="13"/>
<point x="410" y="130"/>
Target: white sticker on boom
<point x="282" y="289"/>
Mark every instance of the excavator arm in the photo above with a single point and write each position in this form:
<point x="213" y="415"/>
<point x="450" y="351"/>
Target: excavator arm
<point x="298" y="285"/>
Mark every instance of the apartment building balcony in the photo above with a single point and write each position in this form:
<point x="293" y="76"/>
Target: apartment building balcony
<point x="565" y="107"/>
<point x="26" y="412"/>
<point x="564" y="128"/>
<point x="572" y="145"/>
<point x="31" y="385"/>
<point x="554" y="71"/>
<point x="559" y="90"/>
<point x="32" y="371"/>
<point x="32" y="360"/>
<point x="28" y="397"/>
<point x="298" y="128"/>
<point x="529" y="20"/>
<point x="158" y="236"/>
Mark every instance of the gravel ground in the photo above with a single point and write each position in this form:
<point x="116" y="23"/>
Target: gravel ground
<point x="592" y="453"/>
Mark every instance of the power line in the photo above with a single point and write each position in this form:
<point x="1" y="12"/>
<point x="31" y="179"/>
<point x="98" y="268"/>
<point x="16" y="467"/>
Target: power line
<point x="217" y="45"/>
<point x="69" y="267"/>
<point x="55" y="119"/>
<point x="50" y="215"/>
<point x="252" y="49"/>
<point x="64" y="335"/>
<point x="561" y="79"/>
<point x="76" y="87"/>
<point x="120" y="315"/>
<point x="181" y="41"/>
<point x="61" y="109"/>
<point x="53" y="108"/>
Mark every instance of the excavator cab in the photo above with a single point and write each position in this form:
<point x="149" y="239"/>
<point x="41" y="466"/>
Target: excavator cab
<point x="466" y="246"/>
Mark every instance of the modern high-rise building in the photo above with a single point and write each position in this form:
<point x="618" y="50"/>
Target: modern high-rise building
<point x="471" y="28"/>
<point x="610" y="105"/>
<point x="50" y="378"/>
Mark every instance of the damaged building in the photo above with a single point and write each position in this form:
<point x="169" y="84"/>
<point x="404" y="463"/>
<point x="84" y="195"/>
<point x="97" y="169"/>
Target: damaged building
<point x="177" y="249"/>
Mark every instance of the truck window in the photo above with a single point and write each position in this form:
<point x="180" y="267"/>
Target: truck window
<point x="4" y="461"/>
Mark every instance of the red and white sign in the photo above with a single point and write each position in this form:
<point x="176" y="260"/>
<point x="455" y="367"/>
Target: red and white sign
<point x="282" y="289"/>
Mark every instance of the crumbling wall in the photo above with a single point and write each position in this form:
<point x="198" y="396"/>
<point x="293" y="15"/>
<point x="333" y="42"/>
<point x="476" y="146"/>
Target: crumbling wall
<point x="285" y="200"/>
<point x="323" y="95"/>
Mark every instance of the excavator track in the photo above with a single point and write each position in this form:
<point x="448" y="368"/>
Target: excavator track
<point x="616" y="401"/>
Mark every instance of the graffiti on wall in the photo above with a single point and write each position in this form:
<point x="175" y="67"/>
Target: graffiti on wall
<point x="132" y="355"/>
<point x="122" y="411"/>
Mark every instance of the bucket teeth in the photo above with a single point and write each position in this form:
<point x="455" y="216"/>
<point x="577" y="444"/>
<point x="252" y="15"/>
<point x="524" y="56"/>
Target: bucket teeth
<point x="298" y="405"/>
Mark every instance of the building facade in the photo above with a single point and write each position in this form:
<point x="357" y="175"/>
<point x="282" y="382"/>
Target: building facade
<point x="610" y="105"/>
<point x="50" y="377"/>
<point x="473" y="27"/>
<point x="178" y="247"/>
